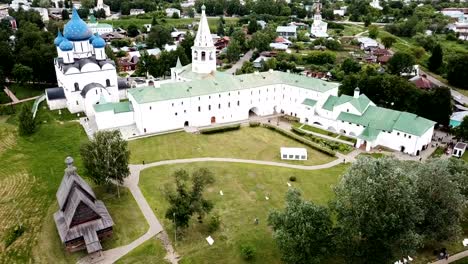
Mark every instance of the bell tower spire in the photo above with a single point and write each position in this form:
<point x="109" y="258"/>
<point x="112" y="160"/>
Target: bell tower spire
<point x="203" y="50"/>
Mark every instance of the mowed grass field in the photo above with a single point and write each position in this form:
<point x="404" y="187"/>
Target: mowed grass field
<point x="180" y="23"/>
<point x="244" y="187"/>
<point x="31" y="169"/>
<point x="247" y="143"/>
<point x="151" y="251"/>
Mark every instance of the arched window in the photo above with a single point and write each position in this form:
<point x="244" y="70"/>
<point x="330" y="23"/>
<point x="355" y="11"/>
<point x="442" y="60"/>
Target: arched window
<point x="211" y="55"/>
<point x="77" y="87"/>
<point x="195" y="55"/>
<point x="108" y="83"/>
<point x="203" y="55"/>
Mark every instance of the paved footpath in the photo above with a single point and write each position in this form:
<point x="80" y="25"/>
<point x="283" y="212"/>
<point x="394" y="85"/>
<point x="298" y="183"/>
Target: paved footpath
<point x="453" y="258"/>
<point x="155" y="227"/>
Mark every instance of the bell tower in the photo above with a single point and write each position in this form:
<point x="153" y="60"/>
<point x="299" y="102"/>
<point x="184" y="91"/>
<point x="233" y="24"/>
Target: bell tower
<point x="203" y="50"/>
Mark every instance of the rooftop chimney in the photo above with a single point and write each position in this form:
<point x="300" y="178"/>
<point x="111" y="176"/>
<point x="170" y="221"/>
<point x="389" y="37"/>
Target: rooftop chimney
<point x="356" y="92"/>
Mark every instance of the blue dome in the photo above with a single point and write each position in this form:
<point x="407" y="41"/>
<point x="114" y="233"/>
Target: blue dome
<point x="92" y="38"/>
<point x="59" y="38"/>
<point x="76" y="29"/>
<point x="66" y="45"/>
<point x="98" y="42"/>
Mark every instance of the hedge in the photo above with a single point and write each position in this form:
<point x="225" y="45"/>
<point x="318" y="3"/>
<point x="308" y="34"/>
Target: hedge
<point x="302" y="140"/>
<point x="254" y="123"/>
<point x="220" y="129"/>
<point x="323" y="142"/>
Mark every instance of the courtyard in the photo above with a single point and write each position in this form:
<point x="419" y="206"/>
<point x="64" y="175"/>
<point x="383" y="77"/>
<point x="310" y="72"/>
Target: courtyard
<point x="244" y="188"/>
<point x="247" y="143"/>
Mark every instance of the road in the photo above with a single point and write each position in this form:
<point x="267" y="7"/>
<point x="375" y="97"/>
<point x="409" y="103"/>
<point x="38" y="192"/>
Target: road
<point x="239" y="63"/>
<point x="462" y="99"/>
<point x="358" y="23"/>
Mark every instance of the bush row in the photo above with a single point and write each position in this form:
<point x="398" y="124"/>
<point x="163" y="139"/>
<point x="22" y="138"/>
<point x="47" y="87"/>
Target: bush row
<point x="323" y="142"/>
<point x="254" y="123"/>
<point x="302" y="140"/>
<point x="290" y="118"/>
<point x="220" y="129"/>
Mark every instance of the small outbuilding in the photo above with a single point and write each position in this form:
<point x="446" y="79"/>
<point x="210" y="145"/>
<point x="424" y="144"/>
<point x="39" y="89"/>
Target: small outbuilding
<point x="293" y="153"/>
<point x="459" y="149"/>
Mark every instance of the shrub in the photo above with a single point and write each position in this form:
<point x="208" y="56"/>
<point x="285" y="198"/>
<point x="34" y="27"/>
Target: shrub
<point x="214" y="223"/>
<point x="220" y="129"/>
<point x="7" y="109"/>
<point x="292" y="178"/>
<point x="13" y="234"/>
<point x="254" y="123"/>
<point x="302" y="140"/>
<point x="248" y="251"/>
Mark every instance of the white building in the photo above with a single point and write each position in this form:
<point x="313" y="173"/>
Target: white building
<point x="367" y="43"/>
<point x="85" y="76"/>
<point x="319" y="27"/>
<point x="100" y="5"/>
<point x="293" y="153"/>
<point x="459" y="149"/>
<point x="171" y="11"/>
<point x="287" y="31"/>
<point x="99" y="28"/>
<point x="134" y="12"/>
<point x="197" y="95"/>
<point x="375" y="4"/>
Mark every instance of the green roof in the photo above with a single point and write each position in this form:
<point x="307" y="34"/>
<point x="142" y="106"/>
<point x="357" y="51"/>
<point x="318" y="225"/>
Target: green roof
<point x="369" y="134"/>
<point x="388" y="120"/>
<point x="330" y="103"/>
<point x="361" y="103"/>
<point x="218" y="82"/>
<point x="120" y="107"/>
<point x="309" y="102"/>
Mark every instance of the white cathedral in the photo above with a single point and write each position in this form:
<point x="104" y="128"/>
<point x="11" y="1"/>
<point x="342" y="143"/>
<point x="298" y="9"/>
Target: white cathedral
<point x="197" y="96"/>
<point x="319" y="27"/>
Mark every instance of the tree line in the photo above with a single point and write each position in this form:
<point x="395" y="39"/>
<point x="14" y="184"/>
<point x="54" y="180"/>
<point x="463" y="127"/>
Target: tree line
<point x="383" y="210"/>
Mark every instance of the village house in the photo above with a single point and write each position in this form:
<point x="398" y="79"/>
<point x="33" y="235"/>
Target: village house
<point x="171" y="11"/>
<point x="287" y="31"/>
<point x="222" y="43"/>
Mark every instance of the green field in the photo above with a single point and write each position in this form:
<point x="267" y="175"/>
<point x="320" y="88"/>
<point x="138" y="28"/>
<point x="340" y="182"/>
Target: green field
<point x="245" y="187"/>
<point x="31" y="171"/>
<point x="151" y="251"/>
<point x="181" y="23"/>
<point x="247" y="143"/>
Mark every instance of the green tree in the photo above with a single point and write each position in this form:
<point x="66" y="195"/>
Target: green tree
<point x="132" y="30"/>
<point x="302" y="231"/>
<point x="373" y="31"/>
<point x="377" y="212"/>
<point x="21" y="73"/>
<point x="321" y="58"/>
<point x="175" y="15"/>
<point x="462" y="130"/>
<point x="185" y="200"/>
<point x="88" y="4"/>
<point x="105" y="158"/>
<point x="220" y="28"/>
<point x="154" y="21"/>
<point x="457" y="70"/>
<point x="233" y="51"/>
<point x="26" y="122"/>
<point x="350" y="65"/>
<point x="191" y="13"/>
<point x="388" y="41"/>
<point x="261" y="41"/>
<point x="441" y="200"/>
<point x="239" y="36"/>
<point x="247" y="67"/>
<point x="252" y="26"/>
<point x="65" y="14"/>
<point x="436" y="59"/>
<point x="187" y="44"/>
<point x="400" y="62"/>
<point x="158" y="36"/>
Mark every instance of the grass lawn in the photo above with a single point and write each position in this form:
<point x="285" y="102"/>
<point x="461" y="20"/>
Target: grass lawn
<point x="151" y="251"/>
<point x="438" y="152"/>
<point x="316" y="130"/>
<point x="26" y="90"/>
<point x="373" y="155"/>
<point x="172" y="22"/>
<point x="465" y="156"/>
<point x="31" y="171"/>
<point x="245" y="187"/>
<point x="247" y="143"/>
